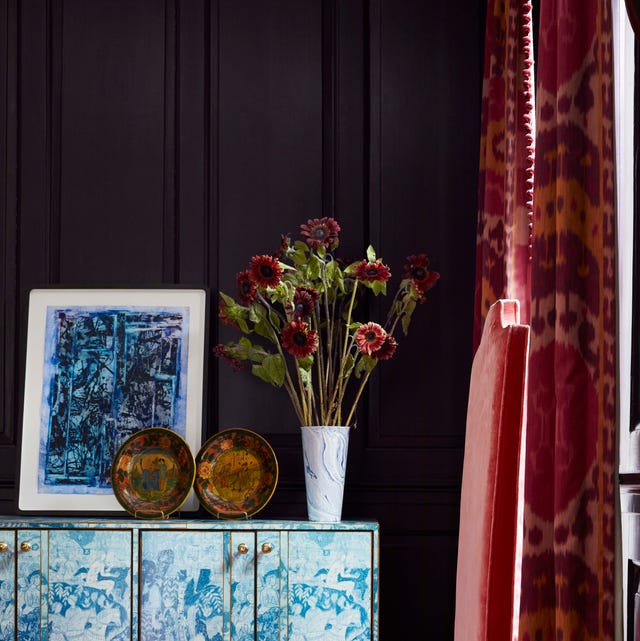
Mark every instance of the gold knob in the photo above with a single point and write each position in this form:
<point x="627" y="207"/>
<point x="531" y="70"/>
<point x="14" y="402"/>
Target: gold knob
<point x="25" y="546"/>
<point x="3" y="546"/>
<point x="242" y="548"/>
<point x="267" y="547"/>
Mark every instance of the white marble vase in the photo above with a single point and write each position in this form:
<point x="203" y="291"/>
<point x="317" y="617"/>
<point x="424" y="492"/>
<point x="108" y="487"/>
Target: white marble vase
<point x="324" y="448"/>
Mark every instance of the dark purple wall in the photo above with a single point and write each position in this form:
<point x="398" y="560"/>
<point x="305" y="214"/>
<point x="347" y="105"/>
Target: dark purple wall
<point x="163" y="142"/>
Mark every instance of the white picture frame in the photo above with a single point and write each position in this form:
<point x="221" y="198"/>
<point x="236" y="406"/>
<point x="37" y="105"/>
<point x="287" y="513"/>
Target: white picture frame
<point x="102" y="364"/>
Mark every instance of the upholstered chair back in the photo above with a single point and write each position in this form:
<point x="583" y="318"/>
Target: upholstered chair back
<point x="492" y="493"/>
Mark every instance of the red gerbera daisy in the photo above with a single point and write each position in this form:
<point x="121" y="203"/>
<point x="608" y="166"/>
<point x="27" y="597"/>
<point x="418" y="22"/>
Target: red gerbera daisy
<point x="370" y="337"/>
<point x="417" y="269"/>
<point x="387" y="349"/>
<point x="265" y="270"/>
<point x="299" y="340"/>
<point x="321" y="231"/>
<point x="314" y="293"/>
<point x="247" y="289"/>
<point x="303" y="303"/>
<point x="371" y="272"/>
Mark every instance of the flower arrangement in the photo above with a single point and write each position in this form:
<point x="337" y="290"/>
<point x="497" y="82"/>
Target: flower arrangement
<point x="296" y="309"/>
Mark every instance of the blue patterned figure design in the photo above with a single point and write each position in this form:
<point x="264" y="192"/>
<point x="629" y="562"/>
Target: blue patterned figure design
<point x="7" y="605"/>
<point x="180" y="600"/>
<point x="89" y="586"/>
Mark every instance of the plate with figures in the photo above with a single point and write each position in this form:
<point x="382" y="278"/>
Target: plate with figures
<point x="236" y="473"/>
<point x="152" y="473"/>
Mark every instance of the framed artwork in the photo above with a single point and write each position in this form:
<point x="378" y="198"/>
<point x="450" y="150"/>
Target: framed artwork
<point x="101" y="364"/>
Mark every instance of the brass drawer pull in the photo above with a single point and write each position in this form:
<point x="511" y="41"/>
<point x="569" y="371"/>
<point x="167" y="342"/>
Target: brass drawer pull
<point x="242" y="548"/>
<point x="25" y="546"/>
<point x="267" y="547"/>
<point x="3" y="546"/>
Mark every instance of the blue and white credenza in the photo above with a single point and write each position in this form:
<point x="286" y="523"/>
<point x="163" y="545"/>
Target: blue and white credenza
<point x="187" y="580"/>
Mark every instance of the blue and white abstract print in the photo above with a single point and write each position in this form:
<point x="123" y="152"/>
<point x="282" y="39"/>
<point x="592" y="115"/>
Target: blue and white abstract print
<point x="108" y="372"/>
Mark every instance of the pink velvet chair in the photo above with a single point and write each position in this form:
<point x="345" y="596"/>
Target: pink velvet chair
<point x="487" y="581"/>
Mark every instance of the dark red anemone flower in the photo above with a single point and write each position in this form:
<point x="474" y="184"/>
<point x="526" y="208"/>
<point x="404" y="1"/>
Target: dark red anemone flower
<point x="222" y="352"/>
<point x="314" y="293"/>
<point x="387" y="350"/>
<point x="371" y="272"/>
<point x="265" y="271"/>
<point x="223" y="314"/>
<point x="299" y="340"/>
<point x="370" y="338"/>
<point x="425" y="285"/>
<point x="303" y="303"/>
<point x="417" y="269"/>
<point x="247" y="289"/>
<point x="321" y="231"/>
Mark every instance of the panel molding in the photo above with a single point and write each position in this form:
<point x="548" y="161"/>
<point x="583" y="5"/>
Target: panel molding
<point x="9" y="318"/>
<point x="419" y="398"/>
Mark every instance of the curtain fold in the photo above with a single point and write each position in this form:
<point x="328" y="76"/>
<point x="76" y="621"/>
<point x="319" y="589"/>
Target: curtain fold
<point x="568" y="564"/>
<point x="551" y="245"/>
<point x="505" y="185"/>
<point x="562" y="269"/>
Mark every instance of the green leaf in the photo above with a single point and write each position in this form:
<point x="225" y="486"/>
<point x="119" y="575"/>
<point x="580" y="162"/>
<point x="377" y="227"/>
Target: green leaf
<point x="236" y="313"/>
<point x="257" y="313"/>
<point x="364" y="365"/>
<point x="349" y="362"/>
<point x="227" y="299"/>
<point x="275" y="365"/>
<point x="305" y="377"/>
<point x="262" y="373"/>
<point x="334" y="275"/>
<point x="242" y="324"/>
<point x="339" y="280"/>
<point x="243" y="350"/>
<point x="246" y="350"/>
<point x="406" y="317"/>
<point x="371" y="254"/>
<point x="349" y="270"/>
<point x="331" y="271"/>
<point x="262" y="328"/>
<point x="271" y="370"/>
<point x="274" y="319"/>
<point x="305" y="363"/>
<point x="299" y="258"/>
<point x="315" y="267"/>
<point x="379" y="287"/>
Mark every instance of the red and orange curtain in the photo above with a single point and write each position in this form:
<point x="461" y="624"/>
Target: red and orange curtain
<point x="567" y="282"/>
<point x="505" y="186"/>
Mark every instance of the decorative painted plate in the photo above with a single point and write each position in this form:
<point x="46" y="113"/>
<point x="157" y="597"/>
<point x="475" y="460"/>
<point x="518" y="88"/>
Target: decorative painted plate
<point x="152" y="473"/>
<point x="236" y="473"/>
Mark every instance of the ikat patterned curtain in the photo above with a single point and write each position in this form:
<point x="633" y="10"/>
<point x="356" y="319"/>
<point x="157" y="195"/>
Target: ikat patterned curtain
<point x="505" y="196"/>
<point x="562" y="271"/>
<point x="569" y="522"/>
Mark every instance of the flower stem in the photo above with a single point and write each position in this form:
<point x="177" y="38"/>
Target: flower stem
<point x="363" y="383"/>
<point x="338" y="390"/>
<point x="305" y="397"/>
<point x="322" y="383"/>
<point x="319" y="359"/>
<point x="405" y="303"/>
<point x="270" y="308"/>
<point x="298" y="402"/>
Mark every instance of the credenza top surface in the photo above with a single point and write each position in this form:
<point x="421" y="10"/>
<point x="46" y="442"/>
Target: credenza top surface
<point x="123" y="522"/>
